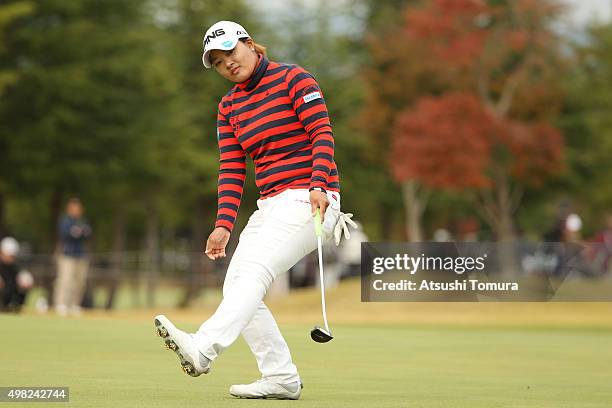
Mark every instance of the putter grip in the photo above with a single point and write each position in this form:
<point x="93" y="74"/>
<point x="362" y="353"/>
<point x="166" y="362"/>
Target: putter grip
<point x="317" y="223"/>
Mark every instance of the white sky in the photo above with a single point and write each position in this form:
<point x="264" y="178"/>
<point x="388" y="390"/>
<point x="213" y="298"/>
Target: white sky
<point x="580" y="11"/>
<point x="583" y="11"/>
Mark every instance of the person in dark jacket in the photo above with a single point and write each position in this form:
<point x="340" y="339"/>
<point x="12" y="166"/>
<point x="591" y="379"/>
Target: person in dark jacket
<point x="72" y="263"/>
<point x="12" y="294"/>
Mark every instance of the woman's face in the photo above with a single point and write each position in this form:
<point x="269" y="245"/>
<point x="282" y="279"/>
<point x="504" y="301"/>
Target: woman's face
<point x="236" y="65"/>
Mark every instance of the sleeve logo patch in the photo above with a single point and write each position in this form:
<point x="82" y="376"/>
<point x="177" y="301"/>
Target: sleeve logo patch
<point x="312" y="96"/>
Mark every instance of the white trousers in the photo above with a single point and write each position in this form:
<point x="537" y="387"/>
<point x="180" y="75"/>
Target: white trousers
<point x="278" y="234"/>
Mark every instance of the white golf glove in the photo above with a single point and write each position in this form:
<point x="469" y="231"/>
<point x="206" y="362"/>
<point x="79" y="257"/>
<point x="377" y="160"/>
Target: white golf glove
<point x="344" y="220"/>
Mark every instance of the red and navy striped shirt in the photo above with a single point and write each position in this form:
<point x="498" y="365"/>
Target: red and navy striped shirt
<point x="279" y="118"/>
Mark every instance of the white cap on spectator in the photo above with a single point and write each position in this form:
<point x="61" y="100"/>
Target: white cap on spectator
<point x="573" y="223"/>
<point x="9" y="246"/>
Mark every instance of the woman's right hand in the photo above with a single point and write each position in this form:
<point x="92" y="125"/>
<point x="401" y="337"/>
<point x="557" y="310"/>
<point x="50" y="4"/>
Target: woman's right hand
<point x="217" y="240"/>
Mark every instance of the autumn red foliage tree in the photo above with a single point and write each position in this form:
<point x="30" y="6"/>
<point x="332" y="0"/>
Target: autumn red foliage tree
<point x="493" y="68"/>
<point x="456" y="142"/>
<point x="444" y="141"/>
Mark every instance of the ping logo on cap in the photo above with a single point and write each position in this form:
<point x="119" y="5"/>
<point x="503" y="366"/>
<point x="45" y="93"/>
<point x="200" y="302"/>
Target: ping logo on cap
<point x="213" y="35"/>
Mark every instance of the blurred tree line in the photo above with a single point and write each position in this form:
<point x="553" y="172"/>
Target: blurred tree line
<point x="482" y="112"/>
<point x="108" y="100"/>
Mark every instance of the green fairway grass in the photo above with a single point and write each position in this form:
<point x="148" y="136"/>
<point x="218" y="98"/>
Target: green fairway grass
<point x="121" y="363"/>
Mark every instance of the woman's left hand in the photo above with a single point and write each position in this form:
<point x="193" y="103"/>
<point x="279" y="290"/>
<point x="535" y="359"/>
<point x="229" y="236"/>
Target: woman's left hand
<point x="318" y="199"/>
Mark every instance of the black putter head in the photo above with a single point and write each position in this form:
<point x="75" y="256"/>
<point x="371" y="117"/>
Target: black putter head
<point x="320" y="335"/>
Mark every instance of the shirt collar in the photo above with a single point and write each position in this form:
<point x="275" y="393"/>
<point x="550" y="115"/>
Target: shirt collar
<point x="253" y="81"/>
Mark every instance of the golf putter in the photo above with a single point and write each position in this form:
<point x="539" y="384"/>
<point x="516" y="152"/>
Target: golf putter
<point x="319" y="334"/>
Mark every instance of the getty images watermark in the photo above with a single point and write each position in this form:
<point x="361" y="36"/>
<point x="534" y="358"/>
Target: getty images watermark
<point x="469" y="272"/>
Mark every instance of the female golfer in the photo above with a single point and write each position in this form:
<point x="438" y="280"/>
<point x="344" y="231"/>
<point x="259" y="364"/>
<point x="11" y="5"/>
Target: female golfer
<point x="276" y="114"/>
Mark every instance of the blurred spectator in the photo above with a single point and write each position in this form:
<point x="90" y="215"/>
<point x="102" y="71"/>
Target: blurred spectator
<point x="573" y="225"/>
<point x="600" y="254"/>
<point x="442" y="235"/>
<point x="332" y="268"/>
<point x="72" y="262"/>
<point x="467" y="230"/>
<point x="566" y="227"/>
<point x="15" y="283"/>
<point x="304" y="272"/>
<point x="349" y="253"/>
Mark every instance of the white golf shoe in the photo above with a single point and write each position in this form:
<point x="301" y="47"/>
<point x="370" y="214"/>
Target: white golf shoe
<point x="267" y="389"/>
<point x="193" y="362"/>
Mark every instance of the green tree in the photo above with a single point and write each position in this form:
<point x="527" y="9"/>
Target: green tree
<point x="8" y="75"/>
<point x="8" y="14"/>
<point x="384" y="67"/>
<point x="587" y="123"/>
<point x="89" y="110"/>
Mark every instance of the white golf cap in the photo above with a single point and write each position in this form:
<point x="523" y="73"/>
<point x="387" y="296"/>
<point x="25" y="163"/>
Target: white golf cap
<point x="223" y="35"/>
<point x="9" y="246"/>
<point x="573" y="223"/>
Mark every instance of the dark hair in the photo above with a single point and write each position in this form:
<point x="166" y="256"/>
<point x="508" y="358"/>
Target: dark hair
<point x="74" y="200"/>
